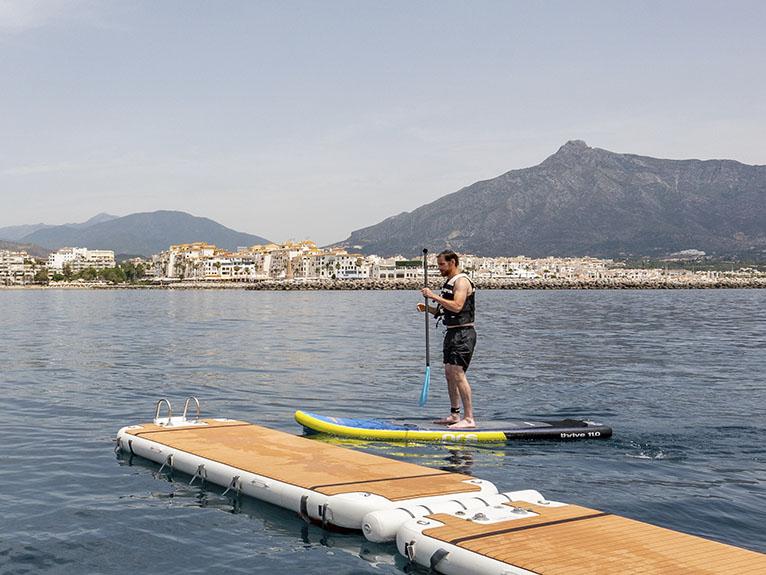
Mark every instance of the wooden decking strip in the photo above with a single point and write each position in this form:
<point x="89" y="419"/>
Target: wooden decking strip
<point x="558" y="543"/>
<point x="327" y="469"/>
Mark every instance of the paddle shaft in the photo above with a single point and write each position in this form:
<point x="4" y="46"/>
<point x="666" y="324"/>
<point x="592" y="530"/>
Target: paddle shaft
<point x="424" y="392"/>
<point x="428" y="329"/>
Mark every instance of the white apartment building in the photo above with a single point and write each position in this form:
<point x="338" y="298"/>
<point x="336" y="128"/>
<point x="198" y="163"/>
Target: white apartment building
<point x="56" y="260"/>
<point x="504" y="268"/>
<point x="400" y="269"/>
<point x="99" y="259"/>
<point x="16" y="268"/>
<point x="80" y="259"/>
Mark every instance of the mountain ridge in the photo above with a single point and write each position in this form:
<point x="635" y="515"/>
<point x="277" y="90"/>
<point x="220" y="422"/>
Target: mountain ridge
<point x="144" y="233"/>
<point x="584" y="201"/>
<point x="15" y="233"/>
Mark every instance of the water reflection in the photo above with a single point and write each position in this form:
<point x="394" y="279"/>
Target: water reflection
<point x="458" y="461"/>
<point x="678" y="375"/>
<point x="277" y="521"/>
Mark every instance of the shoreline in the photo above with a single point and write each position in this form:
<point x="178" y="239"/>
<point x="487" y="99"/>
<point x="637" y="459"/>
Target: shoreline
<point x="379" y="285"/>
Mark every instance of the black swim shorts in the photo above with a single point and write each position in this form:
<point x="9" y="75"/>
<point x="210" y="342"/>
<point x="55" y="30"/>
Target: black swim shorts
<point x="459" y="343"/>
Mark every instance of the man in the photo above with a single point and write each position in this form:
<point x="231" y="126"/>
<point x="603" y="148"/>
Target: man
<point x="457" y="306"/>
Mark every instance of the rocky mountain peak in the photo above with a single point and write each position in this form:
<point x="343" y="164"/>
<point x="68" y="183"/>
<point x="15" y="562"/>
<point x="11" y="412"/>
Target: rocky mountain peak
<point x="574" y="151"/>
<point x="574" y="146"/>
<point x="590" y="201"/>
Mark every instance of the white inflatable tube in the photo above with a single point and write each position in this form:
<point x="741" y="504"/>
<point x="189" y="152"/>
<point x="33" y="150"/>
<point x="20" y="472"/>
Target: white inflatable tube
<point x="382" y="525"/>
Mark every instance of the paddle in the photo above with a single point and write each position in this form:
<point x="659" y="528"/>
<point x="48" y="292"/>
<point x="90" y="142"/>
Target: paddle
<point x="424" y="393"/>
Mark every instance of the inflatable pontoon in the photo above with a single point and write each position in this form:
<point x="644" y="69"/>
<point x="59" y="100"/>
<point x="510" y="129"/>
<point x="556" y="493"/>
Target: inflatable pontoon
<point x="456" y="524"/>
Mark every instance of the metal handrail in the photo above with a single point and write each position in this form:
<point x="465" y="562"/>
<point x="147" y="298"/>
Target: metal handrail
<point x="186" y="406"/>
<point x="157" y="413"/>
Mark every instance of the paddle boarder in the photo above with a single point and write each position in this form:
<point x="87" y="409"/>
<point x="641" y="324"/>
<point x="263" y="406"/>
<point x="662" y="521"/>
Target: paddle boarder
<point x="456" y="306"/>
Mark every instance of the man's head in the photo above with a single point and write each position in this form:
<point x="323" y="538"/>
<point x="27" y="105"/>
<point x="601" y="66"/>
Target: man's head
<point x="449" y="263"/>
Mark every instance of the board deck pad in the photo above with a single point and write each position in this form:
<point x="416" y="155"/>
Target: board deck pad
<point x="570" y="540"/>
<point x="299" y="461"/>
<point x="425" y="430"/>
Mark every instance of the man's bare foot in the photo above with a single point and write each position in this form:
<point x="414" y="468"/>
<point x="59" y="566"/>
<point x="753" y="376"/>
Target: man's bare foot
<point x="464" y="424"/>
<point x="454" y="418"/>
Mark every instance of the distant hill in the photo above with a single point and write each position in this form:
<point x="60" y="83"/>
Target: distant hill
<point x="13" y="233"/>
<point x="587" y="201"/>
<point x="143" y="233"/>
<point x="31" y="249"/>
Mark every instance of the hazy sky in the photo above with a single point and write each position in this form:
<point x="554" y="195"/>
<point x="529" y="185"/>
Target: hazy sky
<point x="311" y="119"/>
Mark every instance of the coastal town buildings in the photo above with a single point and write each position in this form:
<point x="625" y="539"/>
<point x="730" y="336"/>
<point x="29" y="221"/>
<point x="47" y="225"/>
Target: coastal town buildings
<point x="304" y="261"/>
<point x="301" y="260"/>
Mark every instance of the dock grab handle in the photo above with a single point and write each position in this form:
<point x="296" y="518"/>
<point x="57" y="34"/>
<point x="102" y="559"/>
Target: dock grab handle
<point x="186" y="406"/>
<point x="157" y="413"/>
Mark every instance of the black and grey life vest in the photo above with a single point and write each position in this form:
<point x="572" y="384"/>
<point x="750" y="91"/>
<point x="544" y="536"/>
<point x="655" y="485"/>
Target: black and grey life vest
<point x="465" y="315"/>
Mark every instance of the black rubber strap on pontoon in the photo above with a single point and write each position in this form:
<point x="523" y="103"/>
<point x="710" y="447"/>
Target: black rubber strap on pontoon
<point x="315" y="487"/>
<point x="438" y="555"/>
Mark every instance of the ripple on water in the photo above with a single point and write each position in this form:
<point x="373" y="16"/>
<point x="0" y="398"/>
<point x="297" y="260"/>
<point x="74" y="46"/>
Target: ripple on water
<point x="679" y="377"/>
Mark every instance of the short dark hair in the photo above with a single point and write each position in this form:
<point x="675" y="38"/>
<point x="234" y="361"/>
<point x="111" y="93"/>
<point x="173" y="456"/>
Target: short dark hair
<point x="450" y="255"/>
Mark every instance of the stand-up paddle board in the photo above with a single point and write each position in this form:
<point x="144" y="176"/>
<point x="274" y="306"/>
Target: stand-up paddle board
<point x="378" y="429"/>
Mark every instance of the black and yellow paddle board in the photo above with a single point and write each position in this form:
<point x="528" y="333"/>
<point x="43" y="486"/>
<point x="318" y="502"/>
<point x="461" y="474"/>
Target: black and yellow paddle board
<point x="378" y="429"/>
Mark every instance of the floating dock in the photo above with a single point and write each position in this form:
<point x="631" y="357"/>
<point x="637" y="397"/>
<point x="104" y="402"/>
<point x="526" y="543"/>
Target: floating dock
<point x="454" y="523"/>
<point x="523" y="538"/>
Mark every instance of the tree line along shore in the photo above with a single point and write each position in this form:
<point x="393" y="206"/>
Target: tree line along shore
<point x="481" y="284"/>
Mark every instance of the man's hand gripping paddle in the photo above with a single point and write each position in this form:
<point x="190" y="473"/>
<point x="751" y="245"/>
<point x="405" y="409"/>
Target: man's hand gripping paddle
<point x="424" y="393"/>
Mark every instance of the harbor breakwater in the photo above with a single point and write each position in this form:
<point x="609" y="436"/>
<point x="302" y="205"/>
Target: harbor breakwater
<point x="436" y="283"/>
<point x="511" y="284"/>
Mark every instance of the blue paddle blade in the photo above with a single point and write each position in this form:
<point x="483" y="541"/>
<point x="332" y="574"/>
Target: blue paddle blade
<point x="424" y="393"/>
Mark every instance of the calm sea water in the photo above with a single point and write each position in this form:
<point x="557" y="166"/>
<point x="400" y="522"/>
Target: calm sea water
<point x="679" y="375"/>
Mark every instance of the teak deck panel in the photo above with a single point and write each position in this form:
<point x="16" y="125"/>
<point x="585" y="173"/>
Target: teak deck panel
<point x="575" y="540"/>
<point x="306" y="463"/>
